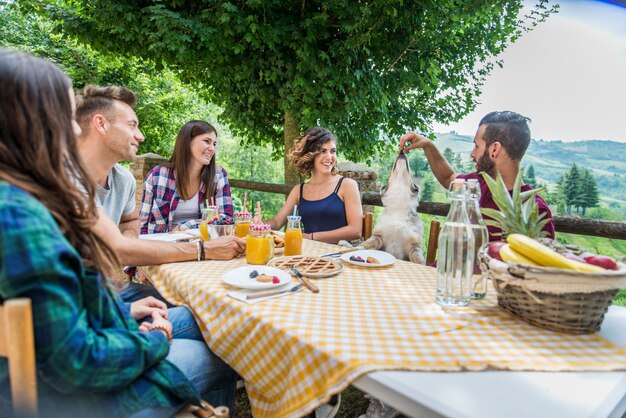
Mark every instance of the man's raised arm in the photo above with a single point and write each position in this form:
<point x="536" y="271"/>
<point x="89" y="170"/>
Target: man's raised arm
<point x="438" y="164"/>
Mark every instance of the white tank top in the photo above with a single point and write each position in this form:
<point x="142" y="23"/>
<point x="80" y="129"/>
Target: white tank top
<point x="186" y="210"/>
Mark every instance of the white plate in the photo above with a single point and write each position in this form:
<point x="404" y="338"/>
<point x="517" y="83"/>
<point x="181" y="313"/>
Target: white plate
<point x="240" y="277"/>
<point x="385" y="259"/>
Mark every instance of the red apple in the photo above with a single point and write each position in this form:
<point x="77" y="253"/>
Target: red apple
<point x="494" y="249"/>
<point x="602" y="261"/>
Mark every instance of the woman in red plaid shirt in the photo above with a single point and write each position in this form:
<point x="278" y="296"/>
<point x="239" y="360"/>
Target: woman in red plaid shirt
<point x="175" y="193"/>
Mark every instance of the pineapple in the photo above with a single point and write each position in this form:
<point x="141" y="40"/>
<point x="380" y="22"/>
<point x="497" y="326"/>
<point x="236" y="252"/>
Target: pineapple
<point x="519" y="212"/>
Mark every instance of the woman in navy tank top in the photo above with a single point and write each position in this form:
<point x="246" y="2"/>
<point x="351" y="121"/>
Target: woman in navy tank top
<point x="330" y="205"/>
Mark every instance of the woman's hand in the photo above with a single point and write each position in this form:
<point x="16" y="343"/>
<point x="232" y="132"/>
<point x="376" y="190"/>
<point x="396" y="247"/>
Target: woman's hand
<point x="158" y="323"/>
<point x="146" y="306"/>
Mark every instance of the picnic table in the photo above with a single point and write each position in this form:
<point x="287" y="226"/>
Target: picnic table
<point x="368" y="324"/>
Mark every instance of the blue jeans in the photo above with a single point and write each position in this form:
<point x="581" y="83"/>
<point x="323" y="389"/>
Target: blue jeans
<point x="213" y="379"/>
<point x="184" y="324"/>
<point x="135" y="291"/>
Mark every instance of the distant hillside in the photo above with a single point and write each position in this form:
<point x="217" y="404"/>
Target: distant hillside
<point x="606" y="159"/>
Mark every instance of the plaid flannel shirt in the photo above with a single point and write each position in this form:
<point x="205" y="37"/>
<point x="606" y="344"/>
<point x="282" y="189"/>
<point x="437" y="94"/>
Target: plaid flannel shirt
<point x="91" y="358"/>
<point x="160" y="200"/>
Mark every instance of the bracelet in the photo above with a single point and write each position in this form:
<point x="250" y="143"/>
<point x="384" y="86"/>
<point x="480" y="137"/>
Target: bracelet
<point x="311" y="236"/>
<point x="168" y="332"/>
<point x="202" y="256"/>
<point x="198" y="248"/>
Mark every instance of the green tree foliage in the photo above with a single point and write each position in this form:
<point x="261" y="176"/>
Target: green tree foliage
<point x="366" y="70"/>
<point x="572" y="187"/>
<point x="254" y="163"/>
<point x="428" y="188"/>
<point x="454" y="159"/>
<point x="469" y="165"/>
<point x="418" y="163"/>
<point x="578" y="189"/>
<point x="590" y="198"/>
<point x="555" y="198"/>
<point x="529" y="176"/>
<point x="165" y="103"/>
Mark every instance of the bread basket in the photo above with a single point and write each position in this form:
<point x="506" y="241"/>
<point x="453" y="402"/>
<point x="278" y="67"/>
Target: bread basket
<point x="556" y="299"/>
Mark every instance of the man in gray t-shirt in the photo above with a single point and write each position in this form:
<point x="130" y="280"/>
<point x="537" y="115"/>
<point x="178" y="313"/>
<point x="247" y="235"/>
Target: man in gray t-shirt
<point x="117" y="199"/>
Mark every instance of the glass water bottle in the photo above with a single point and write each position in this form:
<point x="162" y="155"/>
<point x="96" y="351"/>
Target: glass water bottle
<point x="455" y="264"/>
<point x="481" y="236"/>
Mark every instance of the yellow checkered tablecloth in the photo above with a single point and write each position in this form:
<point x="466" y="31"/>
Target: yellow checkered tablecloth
<point x="295" y="351"/>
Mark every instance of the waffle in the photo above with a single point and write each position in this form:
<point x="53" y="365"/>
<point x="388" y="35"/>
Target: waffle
<point x="307" y="265"/>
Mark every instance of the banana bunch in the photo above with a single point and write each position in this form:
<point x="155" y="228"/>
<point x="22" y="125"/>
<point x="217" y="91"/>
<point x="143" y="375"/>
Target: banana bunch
<point x="522" y="249"/>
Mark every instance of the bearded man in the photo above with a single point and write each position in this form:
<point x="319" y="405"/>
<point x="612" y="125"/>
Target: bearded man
<point x="499" y="145"/>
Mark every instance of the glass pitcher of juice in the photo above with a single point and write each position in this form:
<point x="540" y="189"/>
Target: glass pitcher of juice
<point x="293" y="236"/>
<point x="242" y="223"/>
<point x="260" y="244"/>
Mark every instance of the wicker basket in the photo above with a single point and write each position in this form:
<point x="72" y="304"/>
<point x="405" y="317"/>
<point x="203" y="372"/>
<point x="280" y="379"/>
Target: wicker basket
<point x="555" y="299"/>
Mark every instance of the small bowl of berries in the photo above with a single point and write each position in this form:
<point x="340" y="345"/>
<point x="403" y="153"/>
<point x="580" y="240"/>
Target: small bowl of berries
<point x="220" y="227"/>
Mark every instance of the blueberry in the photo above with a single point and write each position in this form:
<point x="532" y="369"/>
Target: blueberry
<point x="253" y="274"/>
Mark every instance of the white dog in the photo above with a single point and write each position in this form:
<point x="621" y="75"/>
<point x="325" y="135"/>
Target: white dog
<point x="398" y="230"/>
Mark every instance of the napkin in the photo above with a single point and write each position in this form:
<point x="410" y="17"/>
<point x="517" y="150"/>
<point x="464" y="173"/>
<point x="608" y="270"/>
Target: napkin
<point x="241" y="295"/>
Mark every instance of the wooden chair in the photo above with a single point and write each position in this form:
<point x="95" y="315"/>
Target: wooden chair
<point x="433" y="242"/>
<point x="368" y="221"/>
<point x="17" y="343"/>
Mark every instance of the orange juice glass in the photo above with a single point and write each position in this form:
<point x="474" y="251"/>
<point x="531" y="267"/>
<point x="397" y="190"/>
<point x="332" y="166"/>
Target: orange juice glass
<point x="259" y="245"/>
<point x="204" y="231"/>
<point x="242" y="223"/>
<point x="293" y="236"/>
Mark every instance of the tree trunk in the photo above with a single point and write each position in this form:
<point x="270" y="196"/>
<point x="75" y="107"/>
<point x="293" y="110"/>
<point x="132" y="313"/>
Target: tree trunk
<point x="291" y="133"/>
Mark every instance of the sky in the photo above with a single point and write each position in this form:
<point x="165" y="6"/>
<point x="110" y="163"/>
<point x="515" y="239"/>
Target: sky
<point x="568" y="75"/>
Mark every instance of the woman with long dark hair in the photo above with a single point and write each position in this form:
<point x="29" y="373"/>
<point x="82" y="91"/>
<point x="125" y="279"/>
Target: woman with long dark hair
<point x="175" y="193"/>
<point x="92" y="357"/>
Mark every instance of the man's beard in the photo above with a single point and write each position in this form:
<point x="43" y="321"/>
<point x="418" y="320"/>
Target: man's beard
<point x="486" y="165"/>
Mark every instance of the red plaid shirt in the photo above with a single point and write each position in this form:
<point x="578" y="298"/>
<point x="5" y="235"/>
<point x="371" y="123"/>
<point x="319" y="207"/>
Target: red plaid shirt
<point x="160" y="199"/>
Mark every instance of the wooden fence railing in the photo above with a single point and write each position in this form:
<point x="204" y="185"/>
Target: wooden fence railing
<point x="567" y="224"/>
